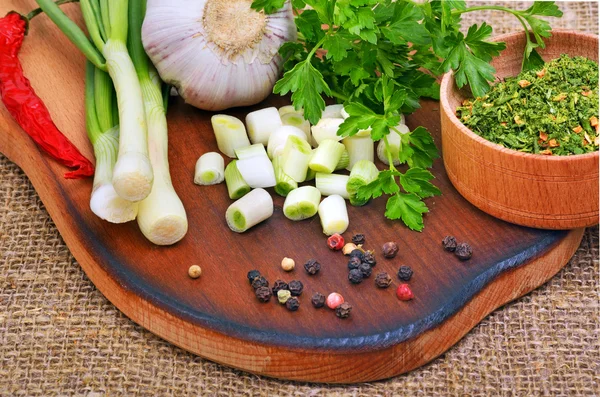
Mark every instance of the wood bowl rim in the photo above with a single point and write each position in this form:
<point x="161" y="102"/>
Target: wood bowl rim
<point x="447" y="80"/>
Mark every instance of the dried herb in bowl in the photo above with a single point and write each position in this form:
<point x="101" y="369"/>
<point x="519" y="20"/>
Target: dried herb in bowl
<point x="552" y="110"/>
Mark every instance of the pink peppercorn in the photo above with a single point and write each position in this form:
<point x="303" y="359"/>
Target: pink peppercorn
<point x="335" y="242"/>
<point x="334" y="300"/>
<point x="404" y="292"/>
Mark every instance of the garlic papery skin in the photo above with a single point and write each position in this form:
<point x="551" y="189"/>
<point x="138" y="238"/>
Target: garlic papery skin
<point x="218" y="53"/>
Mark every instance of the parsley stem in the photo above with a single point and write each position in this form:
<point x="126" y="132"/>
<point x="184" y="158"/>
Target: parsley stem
<point x="316" y="47"/>
<point x="339" y="95"/>
<point x="388" y="153"/>
<point x="483" y="8"/>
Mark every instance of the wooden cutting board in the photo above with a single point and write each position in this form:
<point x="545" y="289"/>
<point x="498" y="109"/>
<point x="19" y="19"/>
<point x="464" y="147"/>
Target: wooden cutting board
<point x="217" y="316"/>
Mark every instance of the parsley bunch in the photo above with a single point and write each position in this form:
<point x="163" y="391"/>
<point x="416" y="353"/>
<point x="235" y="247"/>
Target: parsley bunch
<point x="381" y="57"/>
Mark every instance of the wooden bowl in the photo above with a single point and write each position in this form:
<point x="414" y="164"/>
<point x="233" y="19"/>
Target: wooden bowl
<point x="548" y="192"/>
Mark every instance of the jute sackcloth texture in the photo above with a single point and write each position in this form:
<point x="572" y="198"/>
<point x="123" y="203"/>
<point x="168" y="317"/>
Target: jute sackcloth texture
<point x="60" y="336"/>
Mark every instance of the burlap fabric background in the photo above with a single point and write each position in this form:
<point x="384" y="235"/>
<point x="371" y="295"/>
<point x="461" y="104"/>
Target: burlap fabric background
<point x="60" y="336"/>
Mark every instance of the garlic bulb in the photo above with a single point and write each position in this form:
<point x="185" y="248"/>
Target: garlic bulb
<point x="218" y="53"/>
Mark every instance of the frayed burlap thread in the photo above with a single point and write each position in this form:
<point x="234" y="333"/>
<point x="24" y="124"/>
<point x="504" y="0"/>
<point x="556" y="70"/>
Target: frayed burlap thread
<point x="60" y="337"/>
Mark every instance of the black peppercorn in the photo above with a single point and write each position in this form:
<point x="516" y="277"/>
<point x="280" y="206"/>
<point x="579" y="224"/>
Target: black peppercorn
<point x="318" y="300"/>
<point x="365" y="269"/>
<point x="383" y="280"/>
<point x="263" y="294"/>
<point x="449" y="243"/>
<point x="279" y="285"/>
<point x="405" y="273"/>
<point x="343" y="310"/>
<point x="463" y="251"/>
<point x="357" y="253"/>
<point x="252" y="274"/>
<point x="390" y="249"/>
<point x="358" y="238"/>
<point x="354" y="262"/>
<point x="355" y="276"/>
<point x="312" y="267"/>
<point x="369" y="257"/>
<point x="292" y="304"/>
<point x="295" y="287"/>
<point x="259" y="281"/>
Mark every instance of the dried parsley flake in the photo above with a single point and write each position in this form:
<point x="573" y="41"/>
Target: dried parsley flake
<point x="552" y="111"/>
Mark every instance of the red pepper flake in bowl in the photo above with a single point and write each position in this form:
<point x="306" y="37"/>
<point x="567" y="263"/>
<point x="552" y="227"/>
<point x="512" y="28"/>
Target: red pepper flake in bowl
<point x="335" y="242"/>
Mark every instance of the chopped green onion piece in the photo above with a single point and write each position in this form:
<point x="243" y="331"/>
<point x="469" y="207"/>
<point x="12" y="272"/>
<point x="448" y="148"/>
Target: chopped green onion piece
<point x="302" y="203"/>
<point x="332" y="112"/>
<point x="327" y="156"/>
<point x="363" y="173"/>
<point x="261" y="123"/>
<point x="394" y="143"/>
<point x="326" y="129"/>
<point x="257" y="171"/>
<point x="297" y="120"/>
<point x="230" y="134"/>
<point x="284" y="184"/>
<point x="360" y="147"/>
<point x="332" y="184"/>
<point x="250" y="210"/>
<point x="247" y="152"/>
<point x="279" y="137"/>
<point x="296" y="155"/>
<point x="289" y="109"/>
<point x="344" y="160"/>
<point x="333" y="215"/>
<point x="210" y="169"/>
<point x="236" y="186"/>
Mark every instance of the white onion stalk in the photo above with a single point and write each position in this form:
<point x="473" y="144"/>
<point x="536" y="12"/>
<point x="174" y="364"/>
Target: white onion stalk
<point x="326" y="156"/>
<point x="302" y="203"/>
<point x="236" y="185"/>
<point x="332" y="184"/>
<point x="359" y="147"/>
<point x="394" y="142"/>
<point x="279" y="137"/>
<point x="230" y="134"/>
<point x="161" y="216"/>
<point x="249" y="211"/>
<point x="295" y="157"/>
<point x="326" y="129"/>
<point x="210" y="169"/>
<point x="218" y="53"/>
<point x="262" y="123"/>
<point x="104" y="136"/>
<point x="257" y="171"/>
<point x="363" y="173"/>
<point x="334" y="215"/>
<point x="332" y="112"/>
<point x="298" y="120"/>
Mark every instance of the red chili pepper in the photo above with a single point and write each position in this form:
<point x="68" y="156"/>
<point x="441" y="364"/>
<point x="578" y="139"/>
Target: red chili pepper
<point x="27" y="108"/>
<point x="335" y="242"/>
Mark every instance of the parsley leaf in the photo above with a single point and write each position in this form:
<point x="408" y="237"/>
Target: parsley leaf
<point x="270" y="6"/>
<point x="408" y="207"/>
<point x="307" y="84"/>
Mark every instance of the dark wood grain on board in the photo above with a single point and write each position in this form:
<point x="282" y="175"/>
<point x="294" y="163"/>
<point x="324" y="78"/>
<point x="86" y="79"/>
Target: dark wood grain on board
<point x="217" y="315"/>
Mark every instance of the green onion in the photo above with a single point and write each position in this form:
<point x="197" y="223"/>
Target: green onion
<point x="326" y="129"/>
<point x="250" y="210"/>
<point x="297" y="120"/>
<point x="333" y="215"/>
<point x="247" y="152"/>
<point x="360" y="147"/>
<point x="344" y="160"/>
<point x="261" y="123"/>
<point x="296" y="155"/>
<point x="230" y="134"/>
<point x="302" y="203"/>
<point x="363" y="173"/>
<point x="236" y="186"/>
<point x="284" y="184"/>
<point x="327" y="156"/>
<point x="394" y="141"/>
<point x="279" y="137"/>
<point x="332" y="184"/>
<point x="332" y="112"/>
<point x="210" y="169"/>
<point x="290" y="109"/>
<point x="257" y="171"/>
